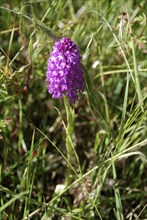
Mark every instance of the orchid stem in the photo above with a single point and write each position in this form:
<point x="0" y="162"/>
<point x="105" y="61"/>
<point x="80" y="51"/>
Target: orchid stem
<point x="69" y="133"/>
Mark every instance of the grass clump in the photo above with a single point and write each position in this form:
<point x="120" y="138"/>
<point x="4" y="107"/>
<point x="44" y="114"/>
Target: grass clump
<point x="105" y="172"/>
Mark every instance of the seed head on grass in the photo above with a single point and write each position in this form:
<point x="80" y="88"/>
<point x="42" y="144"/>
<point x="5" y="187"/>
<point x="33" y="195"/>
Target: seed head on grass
<point x="64" y="71"/>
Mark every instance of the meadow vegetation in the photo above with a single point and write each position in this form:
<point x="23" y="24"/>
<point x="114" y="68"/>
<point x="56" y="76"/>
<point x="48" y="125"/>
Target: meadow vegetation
<point x="108" y="161"/>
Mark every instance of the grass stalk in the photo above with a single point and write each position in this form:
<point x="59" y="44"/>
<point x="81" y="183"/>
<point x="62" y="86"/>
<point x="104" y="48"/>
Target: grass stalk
<point x="119" y="210"/>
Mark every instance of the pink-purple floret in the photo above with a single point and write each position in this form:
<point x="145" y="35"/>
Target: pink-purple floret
<point x="64" y="71"/>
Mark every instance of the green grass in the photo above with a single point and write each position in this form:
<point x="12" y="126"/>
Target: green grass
<point x="89" y="161"/>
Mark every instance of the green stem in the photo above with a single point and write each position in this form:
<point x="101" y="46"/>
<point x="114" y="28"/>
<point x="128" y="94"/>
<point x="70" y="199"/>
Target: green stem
<point x="136" y="75"/>
<point x="69" y="132"/>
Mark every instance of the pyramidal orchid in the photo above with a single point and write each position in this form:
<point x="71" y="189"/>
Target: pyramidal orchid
<point x="64" y="71"/>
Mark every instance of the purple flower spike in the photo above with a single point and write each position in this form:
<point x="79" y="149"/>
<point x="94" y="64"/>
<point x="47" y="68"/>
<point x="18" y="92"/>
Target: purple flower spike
<point x="64" y="71"/>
